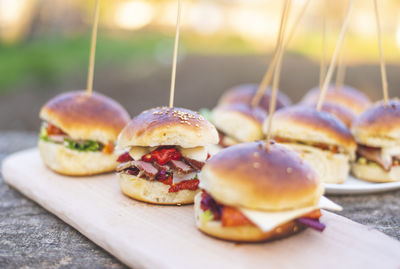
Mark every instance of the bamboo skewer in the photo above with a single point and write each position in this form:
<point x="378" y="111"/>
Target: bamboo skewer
<point x="268" y="74"/>
<point x="176" y="44"/>
<point x="341" y="70"/>
<point x="89" y="85"/>
<point x="381" y="56"/>
<point x="275" y="82"/>
<point x="332" y="64"/>
<point x="322" y="65"/>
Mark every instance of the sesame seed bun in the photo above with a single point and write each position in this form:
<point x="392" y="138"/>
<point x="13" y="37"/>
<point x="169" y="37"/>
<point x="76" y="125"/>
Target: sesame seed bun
<point x="250" y="176"/>
<point x="75" y="163"/>
<point x="168" y="126"/>
<point x="240" y="121"/>
<point x="244" y="233"/>
<point x="82" y="117"/>
<point x="347" y="96"/>
<point x="306" y="124"/>
<point x="379" y="126"/>
<point x="244" y="94"/>
<point x="153" y="192"/>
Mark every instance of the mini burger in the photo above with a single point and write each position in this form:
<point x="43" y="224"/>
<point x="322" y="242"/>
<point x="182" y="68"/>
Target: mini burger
<point x="79" y="131"/>
<point x="346" y="96"/>
<point x="377" y="132"/>
<point x="244" y="94"/>
<point x="163" y="150"/>
<point x="238" y="123"/>
<point x="320" y="138"/>
<point x="251" y="194"/>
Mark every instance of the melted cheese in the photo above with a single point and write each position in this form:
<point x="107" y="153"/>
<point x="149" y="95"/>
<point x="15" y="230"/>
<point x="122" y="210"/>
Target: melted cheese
<point x="137" y="152"/>
<point x="198" y="153"/>
<point x="267" y="221"/>
<point x="389" y="152"/>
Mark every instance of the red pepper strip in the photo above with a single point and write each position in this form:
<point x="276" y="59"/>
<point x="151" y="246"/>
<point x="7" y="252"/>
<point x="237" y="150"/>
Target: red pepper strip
<point x="191" y="185"/>
<point x="233" y="217"/>
<point x="163" y="156"/>
<point x="53" y="130"/>
<point x="125" y="157"/>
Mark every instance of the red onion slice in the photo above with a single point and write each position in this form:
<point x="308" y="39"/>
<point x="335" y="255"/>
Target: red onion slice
<point x="312" y="223"/>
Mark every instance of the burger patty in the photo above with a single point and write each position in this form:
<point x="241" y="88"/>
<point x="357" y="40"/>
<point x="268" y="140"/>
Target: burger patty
<point x="323" y="146"/>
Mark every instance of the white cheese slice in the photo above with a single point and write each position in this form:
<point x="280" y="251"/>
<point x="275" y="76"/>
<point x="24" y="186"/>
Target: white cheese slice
<point x="267" y="221"/>
<point x="137" y="152"/>
<point x="177" y="178"/>
<point x="197" y="153"/>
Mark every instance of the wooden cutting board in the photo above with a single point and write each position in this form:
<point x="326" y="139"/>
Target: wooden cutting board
<point x="148" y="236"/>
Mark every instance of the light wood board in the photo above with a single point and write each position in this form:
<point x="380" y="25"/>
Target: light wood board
<point x="148" y="236"/>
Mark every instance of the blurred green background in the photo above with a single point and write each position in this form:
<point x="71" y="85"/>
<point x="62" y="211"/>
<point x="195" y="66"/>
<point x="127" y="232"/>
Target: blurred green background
<point x="44" y="50"/>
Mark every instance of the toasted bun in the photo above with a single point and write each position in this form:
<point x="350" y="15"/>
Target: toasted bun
<point x="244" y="94"/>
<point x="342" y="113"/>
<point x="347" y="96"/>
<point x="240" y="121"/>
<point x="168" y="126"/>
<point x="250" y="176"/>
<point x="153" y="192"/>
<point x="379" y="126"/>
<point x="374" y="173"/>
<point x="247" y="233"/>
<point x="330" y="167"/>
<point x="96" y="117"/>
<point x="306" y="124"/>
<point x="75" y="163"/>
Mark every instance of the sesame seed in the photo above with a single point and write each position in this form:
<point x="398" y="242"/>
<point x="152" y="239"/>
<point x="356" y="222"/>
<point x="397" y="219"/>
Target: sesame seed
<point x="289" y="170"/>
<point x="256" y="165"/>
<point x="256" y="154"/>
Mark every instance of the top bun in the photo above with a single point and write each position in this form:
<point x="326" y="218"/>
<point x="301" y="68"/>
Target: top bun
<point x="96" y="117"/>
<point x="240" y="121"/>
<point x="244" y="93"/>
<point x="168" y="126"/>
<point x="306" y="124"/>
<point x="248" y="175"/>
<point x="379" y="126"/>
<point x="347" y="96"/>
<point x="344" y="114"/>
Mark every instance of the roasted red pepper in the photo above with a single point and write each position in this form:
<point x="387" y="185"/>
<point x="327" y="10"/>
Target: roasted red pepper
<point x="191" y="185"/>
<point x="164" y="155"/>
<point x="53" y="130"/>
<point x="125" y="157"/>
<point x="233" y="217"/>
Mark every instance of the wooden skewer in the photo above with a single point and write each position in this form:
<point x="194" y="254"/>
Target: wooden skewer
<point x="332" y="64"/>
<point x="341" y="70"/>
<point x="89" y="85"/>
<point x="268" y="74"/>
<point x="173" y="73"/>
<point x="382" y="58"/>
<point x="322" y="65"/>
<point x="275" y="82"/>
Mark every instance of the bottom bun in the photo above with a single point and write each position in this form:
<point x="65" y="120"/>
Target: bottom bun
<point x="331" y="167"/>
<point x="245" y="233"/>
<point x="374" y="173"/>
<point x="75" y="163"/>
<point x="153" y="192"/>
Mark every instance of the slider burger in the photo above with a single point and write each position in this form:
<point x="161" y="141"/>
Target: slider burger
<point x="377" y="132"/>
<point x="320" y="138"/>
<point x="346" y="96"/>
<point x="79" y="131"/>
<point x="237" y="123"/>
<point x="250" y="194"/>
<point x="164" y="149"/>
<point x="244" y="94"/>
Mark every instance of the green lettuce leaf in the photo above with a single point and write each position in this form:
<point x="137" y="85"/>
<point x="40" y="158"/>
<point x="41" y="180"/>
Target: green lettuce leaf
<point x="88" y="145"/>
<point x="206" y="113"/>
<point x="207" y="216"/>
<point x="43" y="134"/>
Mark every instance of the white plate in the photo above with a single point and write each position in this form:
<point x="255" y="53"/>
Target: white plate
<point x="356" y="186"/>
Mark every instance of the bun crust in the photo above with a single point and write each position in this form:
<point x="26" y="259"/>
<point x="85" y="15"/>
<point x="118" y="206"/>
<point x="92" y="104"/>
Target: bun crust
<point x="379" y="126"/>
<point x="306" y="124"/>
<point x="330" y="167"/>
<point x="349" y="97"/>
<point x="153" y="192"/>
<point x="244" y="94"/>
<point x="342" y="113"/>
<point x="240" y="121"/>
<point x="375" y="173"/>
<point x="247" y="175"/>
<point x="246" y="233"/>
<point x="168" y="126"/>
<point x="74" y="163"/>
<point x="96" y="117"/>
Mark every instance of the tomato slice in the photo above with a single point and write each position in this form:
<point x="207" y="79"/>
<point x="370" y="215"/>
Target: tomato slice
<point x="53" y="130"/>
<point x="125" y="157"/>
